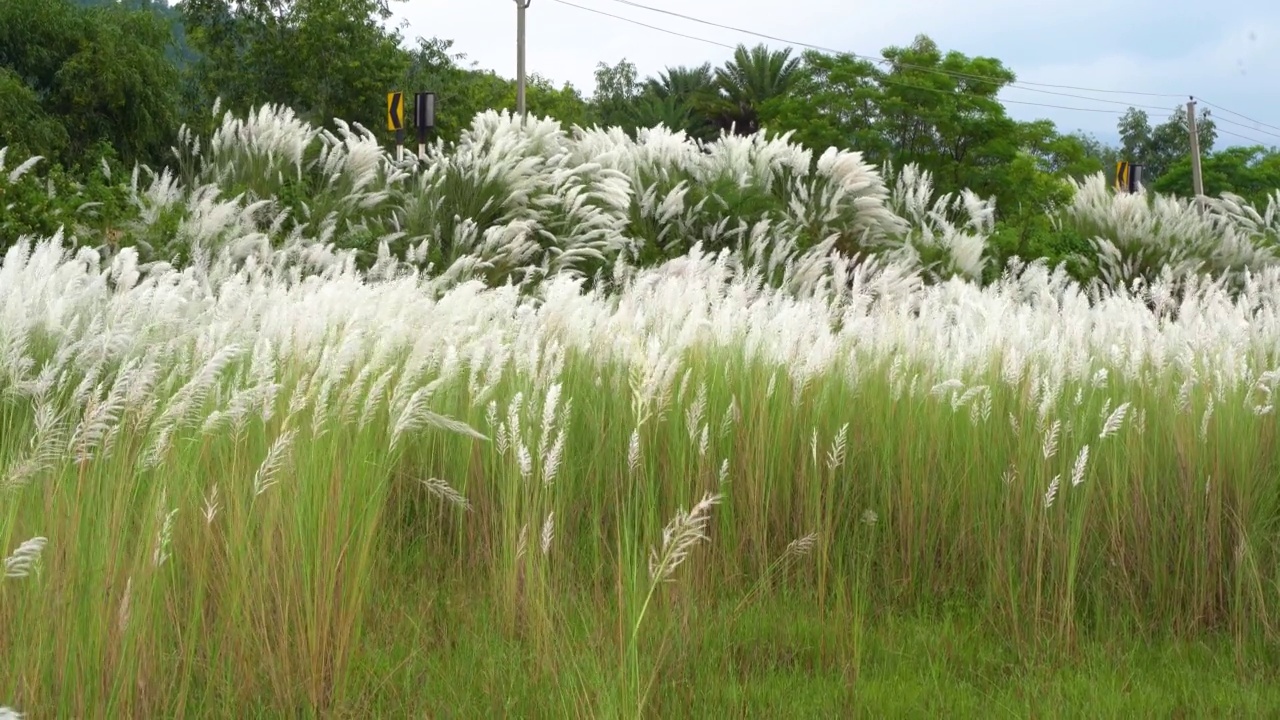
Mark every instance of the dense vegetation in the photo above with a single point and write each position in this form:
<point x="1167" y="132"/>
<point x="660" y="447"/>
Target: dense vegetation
<point x="514" y="457"/>
<point x="795" y="407"/>
<point x="169" y="66"/>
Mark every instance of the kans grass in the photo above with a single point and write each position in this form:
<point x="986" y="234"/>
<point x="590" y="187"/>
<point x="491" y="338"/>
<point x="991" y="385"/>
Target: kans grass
<point x="270" y="483"/>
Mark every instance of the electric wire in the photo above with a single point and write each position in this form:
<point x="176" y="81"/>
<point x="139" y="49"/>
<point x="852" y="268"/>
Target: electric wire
<point x="1255" y="141"/>
<point x="1252" y="128"/>
<point x="1232" y="112"/>
<point x="821" y="48"/>
<point x="1017" y="85"/>
<point x="637" y="22"/>
<point x="889" y="81"/>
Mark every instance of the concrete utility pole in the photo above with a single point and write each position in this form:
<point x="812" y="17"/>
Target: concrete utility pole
<point x="521" y="6"/>
<point x="1197" y="180"/>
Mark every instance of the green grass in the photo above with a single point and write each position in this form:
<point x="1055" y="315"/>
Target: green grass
<point x="334" y="584"/>
<point x="779" y="659"/>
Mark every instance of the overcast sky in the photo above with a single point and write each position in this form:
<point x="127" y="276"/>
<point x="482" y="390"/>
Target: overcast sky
<point x="1225" y="53"/>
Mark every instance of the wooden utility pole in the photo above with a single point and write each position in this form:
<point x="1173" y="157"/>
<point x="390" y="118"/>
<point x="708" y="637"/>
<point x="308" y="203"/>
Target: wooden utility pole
<point x="521" y="6"/>
<point x="1197" y="180"/>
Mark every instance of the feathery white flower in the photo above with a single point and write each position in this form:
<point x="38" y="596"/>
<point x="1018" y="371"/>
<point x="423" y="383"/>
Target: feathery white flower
<point x="1114" y="421"/>
<point x="679" y="537"/>
<point x="1050" y="447"/>
<point x="24" y="559"/>
<point x="446" y="492"/>
<point x="1052" y="493"/>
<point x="268" y="471"/>
<point x="1077" y="471"/>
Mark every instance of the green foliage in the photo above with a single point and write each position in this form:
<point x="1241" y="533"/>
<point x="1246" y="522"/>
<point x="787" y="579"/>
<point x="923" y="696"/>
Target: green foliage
<point x="326" y="58"/>
<point x="677" y="99"/>
<point x="1253" y="173"/>
<point x="461" y="92"/>
<point x="82" y="74"/>
<point x="746" y="83"/>
<point x="79" y="76"/>
<point x="834" y="102"/>
<point x="938" y="111"/>
<point x="617" y="89"/>
<point x="27" y="128"/>
<point x="1039" y="238"/>
<point x="544" y="99"/>
<point x="92" y="207"/>
<point x="1161" y="147"/>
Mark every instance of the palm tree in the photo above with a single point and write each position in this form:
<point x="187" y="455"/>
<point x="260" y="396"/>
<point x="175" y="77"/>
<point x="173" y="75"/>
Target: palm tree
<point x="679" y="98"/>
<point x="685" y="83"/>
<point x="753" y="77"/>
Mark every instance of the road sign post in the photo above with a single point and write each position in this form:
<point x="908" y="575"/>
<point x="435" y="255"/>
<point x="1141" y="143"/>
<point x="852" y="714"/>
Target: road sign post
<point x="424" y="118"/>
<point x="1122" y="176"/>
<point x="1135" y="178"/>
<point x="395" y="120"/>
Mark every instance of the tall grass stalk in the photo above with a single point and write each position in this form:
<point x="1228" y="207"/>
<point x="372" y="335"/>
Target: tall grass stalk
<point x="223" y="470"/>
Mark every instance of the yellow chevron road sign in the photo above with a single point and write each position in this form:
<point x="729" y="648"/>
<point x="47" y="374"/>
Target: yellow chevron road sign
<point x="395" y="111"/>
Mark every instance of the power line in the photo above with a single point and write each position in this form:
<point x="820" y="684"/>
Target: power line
<point x="1232" y="112"/>
<point x="811" y="46"/>
<point x="637" y="22"/>
<point x="1220" y="119"/>
<point x="959" y="93"/>
<point x="888" y="81"/>
<point x="1016" y="84"/>
<point x="1086" y="97"/>
<point x="1242" y="137"/>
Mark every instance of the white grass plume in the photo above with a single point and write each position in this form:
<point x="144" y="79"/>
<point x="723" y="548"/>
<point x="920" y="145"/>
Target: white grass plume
<point x="446" y="492"/>
<point x="679" y="537"/>
<point x="25" y="558"/>
<point x="268" y="473"/>
<point x="1114" y="421"/>
<point x="1050" y="446"/>
<point x="801" y="546"/>
<point x="164" y="535"/>
<point x="415" y="415"/>
<point x="44" y="449"/>
<point x="1052" y="493"/>
<point x="16" y="174"/>
<point x="1078" y="470"/>
<point x="548" y="532"/>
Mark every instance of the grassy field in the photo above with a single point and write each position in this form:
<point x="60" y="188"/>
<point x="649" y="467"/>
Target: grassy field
<point x="521" y="468"/>
<point x="237" y="493"/>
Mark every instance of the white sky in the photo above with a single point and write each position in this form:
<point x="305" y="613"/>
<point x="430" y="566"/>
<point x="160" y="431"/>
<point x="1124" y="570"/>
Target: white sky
<point x="1226" y="53"/>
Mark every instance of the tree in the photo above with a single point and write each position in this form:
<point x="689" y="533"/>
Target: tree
<point x="1159" y="148"/>
<point x="1250" y="172"/>
<point x="28" y="130"/>
<point x="747" y="82"/>
<point x="1071" y="155"/>
<point x="179" y="52"/>
<point x="833" y="102"/>
<point x="100" y="73"/>
<point x="941" y="112"/>
<point x="326" y="59"/>
<point x="463" y="91"/>
<point x="545" y="99"/>
<point x="617" y="89"/>
<point x="678" y="99"/>
<point x="1098" y="152"/>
